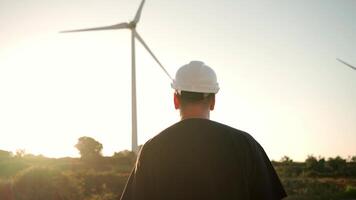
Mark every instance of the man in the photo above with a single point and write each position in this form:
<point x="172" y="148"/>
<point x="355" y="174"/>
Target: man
<point x="199" y="159"/>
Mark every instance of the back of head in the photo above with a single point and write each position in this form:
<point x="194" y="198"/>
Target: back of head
<point x="187" y="98"/>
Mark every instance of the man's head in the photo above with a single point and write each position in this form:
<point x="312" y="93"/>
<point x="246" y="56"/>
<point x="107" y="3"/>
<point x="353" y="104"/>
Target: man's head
<point x="195" y="87"/>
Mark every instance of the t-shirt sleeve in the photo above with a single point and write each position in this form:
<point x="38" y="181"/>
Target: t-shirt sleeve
<point x="265" y="181"/>
<point x="139" y="185"/>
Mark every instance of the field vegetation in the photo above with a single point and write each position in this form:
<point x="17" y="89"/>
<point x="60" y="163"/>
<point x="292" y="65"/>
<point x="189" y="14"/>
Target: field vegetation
<point x="95" y="177"/>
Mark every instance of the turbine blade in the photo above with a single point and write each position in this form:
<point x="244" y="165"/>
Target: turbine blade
<point x="116" y="26"/>
<point x="345" y="63"/>
<point x="154" y="57"/>
<point x="138" y="13"/>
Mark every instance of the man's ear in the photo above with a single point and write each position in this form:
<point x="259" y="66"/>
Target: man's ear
<point x="176" y="101"/>
<point x="212" y="102"/>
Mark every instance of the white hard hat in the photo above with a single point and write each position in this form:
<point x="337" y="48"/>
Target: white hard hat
<point x="196" y="77"/>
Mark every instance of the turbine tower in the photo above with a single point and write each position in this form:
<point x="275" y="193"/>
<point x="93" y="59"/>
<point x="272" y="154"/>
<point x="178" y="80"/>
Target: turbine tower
<point x="131" y="26"/>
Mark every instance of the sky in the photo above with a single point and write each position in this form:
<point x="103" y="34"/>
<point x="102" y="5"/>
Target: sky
<point x="275" y="61"/>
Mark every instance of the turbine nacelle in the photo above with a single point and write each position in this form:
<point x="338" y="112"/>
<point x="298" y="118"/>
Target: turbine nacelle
<point x="132" y="25"/>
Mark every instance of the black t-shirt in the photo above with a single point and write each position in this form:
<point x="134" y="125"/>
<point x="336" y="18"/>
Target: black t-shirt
<point x="199" y="159"/>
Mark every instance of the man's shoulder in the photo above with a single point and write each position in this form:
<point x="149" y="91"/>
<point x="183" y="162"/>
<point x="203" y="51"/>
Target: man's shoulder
<point x="189" y="127"/>
<point x="201" y="123"/>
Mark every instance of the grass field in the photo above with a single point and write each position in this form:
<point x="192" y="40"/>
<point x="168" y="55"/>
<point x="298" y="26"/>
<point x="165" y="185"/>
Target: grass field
<point x="27" y="177"/>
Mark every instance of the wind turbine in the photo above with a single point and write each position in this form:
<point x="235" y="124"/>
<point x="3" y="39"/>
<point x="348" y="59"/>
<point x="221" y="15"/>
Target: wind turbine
<point x="131" y="26"/>
<point x="347" y="64"/>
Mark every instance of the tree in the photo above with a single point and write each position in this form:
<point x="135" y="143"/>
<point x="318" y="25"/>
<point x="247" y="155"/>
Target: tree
<point x="337" y="164"/>
<point x="353" y="159"/>
<point x="20" y="153"/>
<point x="89" y="148"/>
<point x="311" y="162"/>
<point x="314" y="164"/>
<point x="286" y="160"/>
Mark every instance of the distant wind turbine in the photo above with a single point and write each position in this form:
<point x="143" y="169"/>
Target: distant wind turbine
<point x="132" y="26"/>
<point x="347" y="64"/>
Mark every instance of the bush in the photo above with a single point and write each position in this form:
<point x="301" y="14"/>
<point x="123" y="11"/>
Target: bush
<point x="314" y="164"/>
<point x="44" y="184"/>
<point x="5" y="154"/>
<point x="6" y="190"/>
<point x="337" y="164"/>
<point x="312" y="188"/>
<point x="350" y="191"/>
<point x="10" y="167"/>
<point x="104" y="195"/>
<point x="94" y="183"/>
<point x="124" y="161"/>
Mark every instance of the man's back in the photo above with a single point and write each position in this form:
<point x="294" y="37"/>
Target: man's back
<point x="202" y="159"/>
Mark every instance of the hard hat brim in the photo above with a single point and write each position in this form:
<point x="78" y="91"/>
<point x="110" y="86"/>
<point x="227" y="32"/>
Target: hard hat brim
<point x="200" y="89"/>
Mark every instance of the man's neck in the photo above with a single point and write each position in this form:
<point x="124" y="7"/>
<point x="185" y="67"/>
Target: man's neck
<point x="201" y="115"/>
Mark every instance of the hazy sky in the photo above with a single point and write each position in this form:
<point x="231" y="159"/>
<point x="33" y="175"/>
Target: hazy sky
<point x="275" y="61"/>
